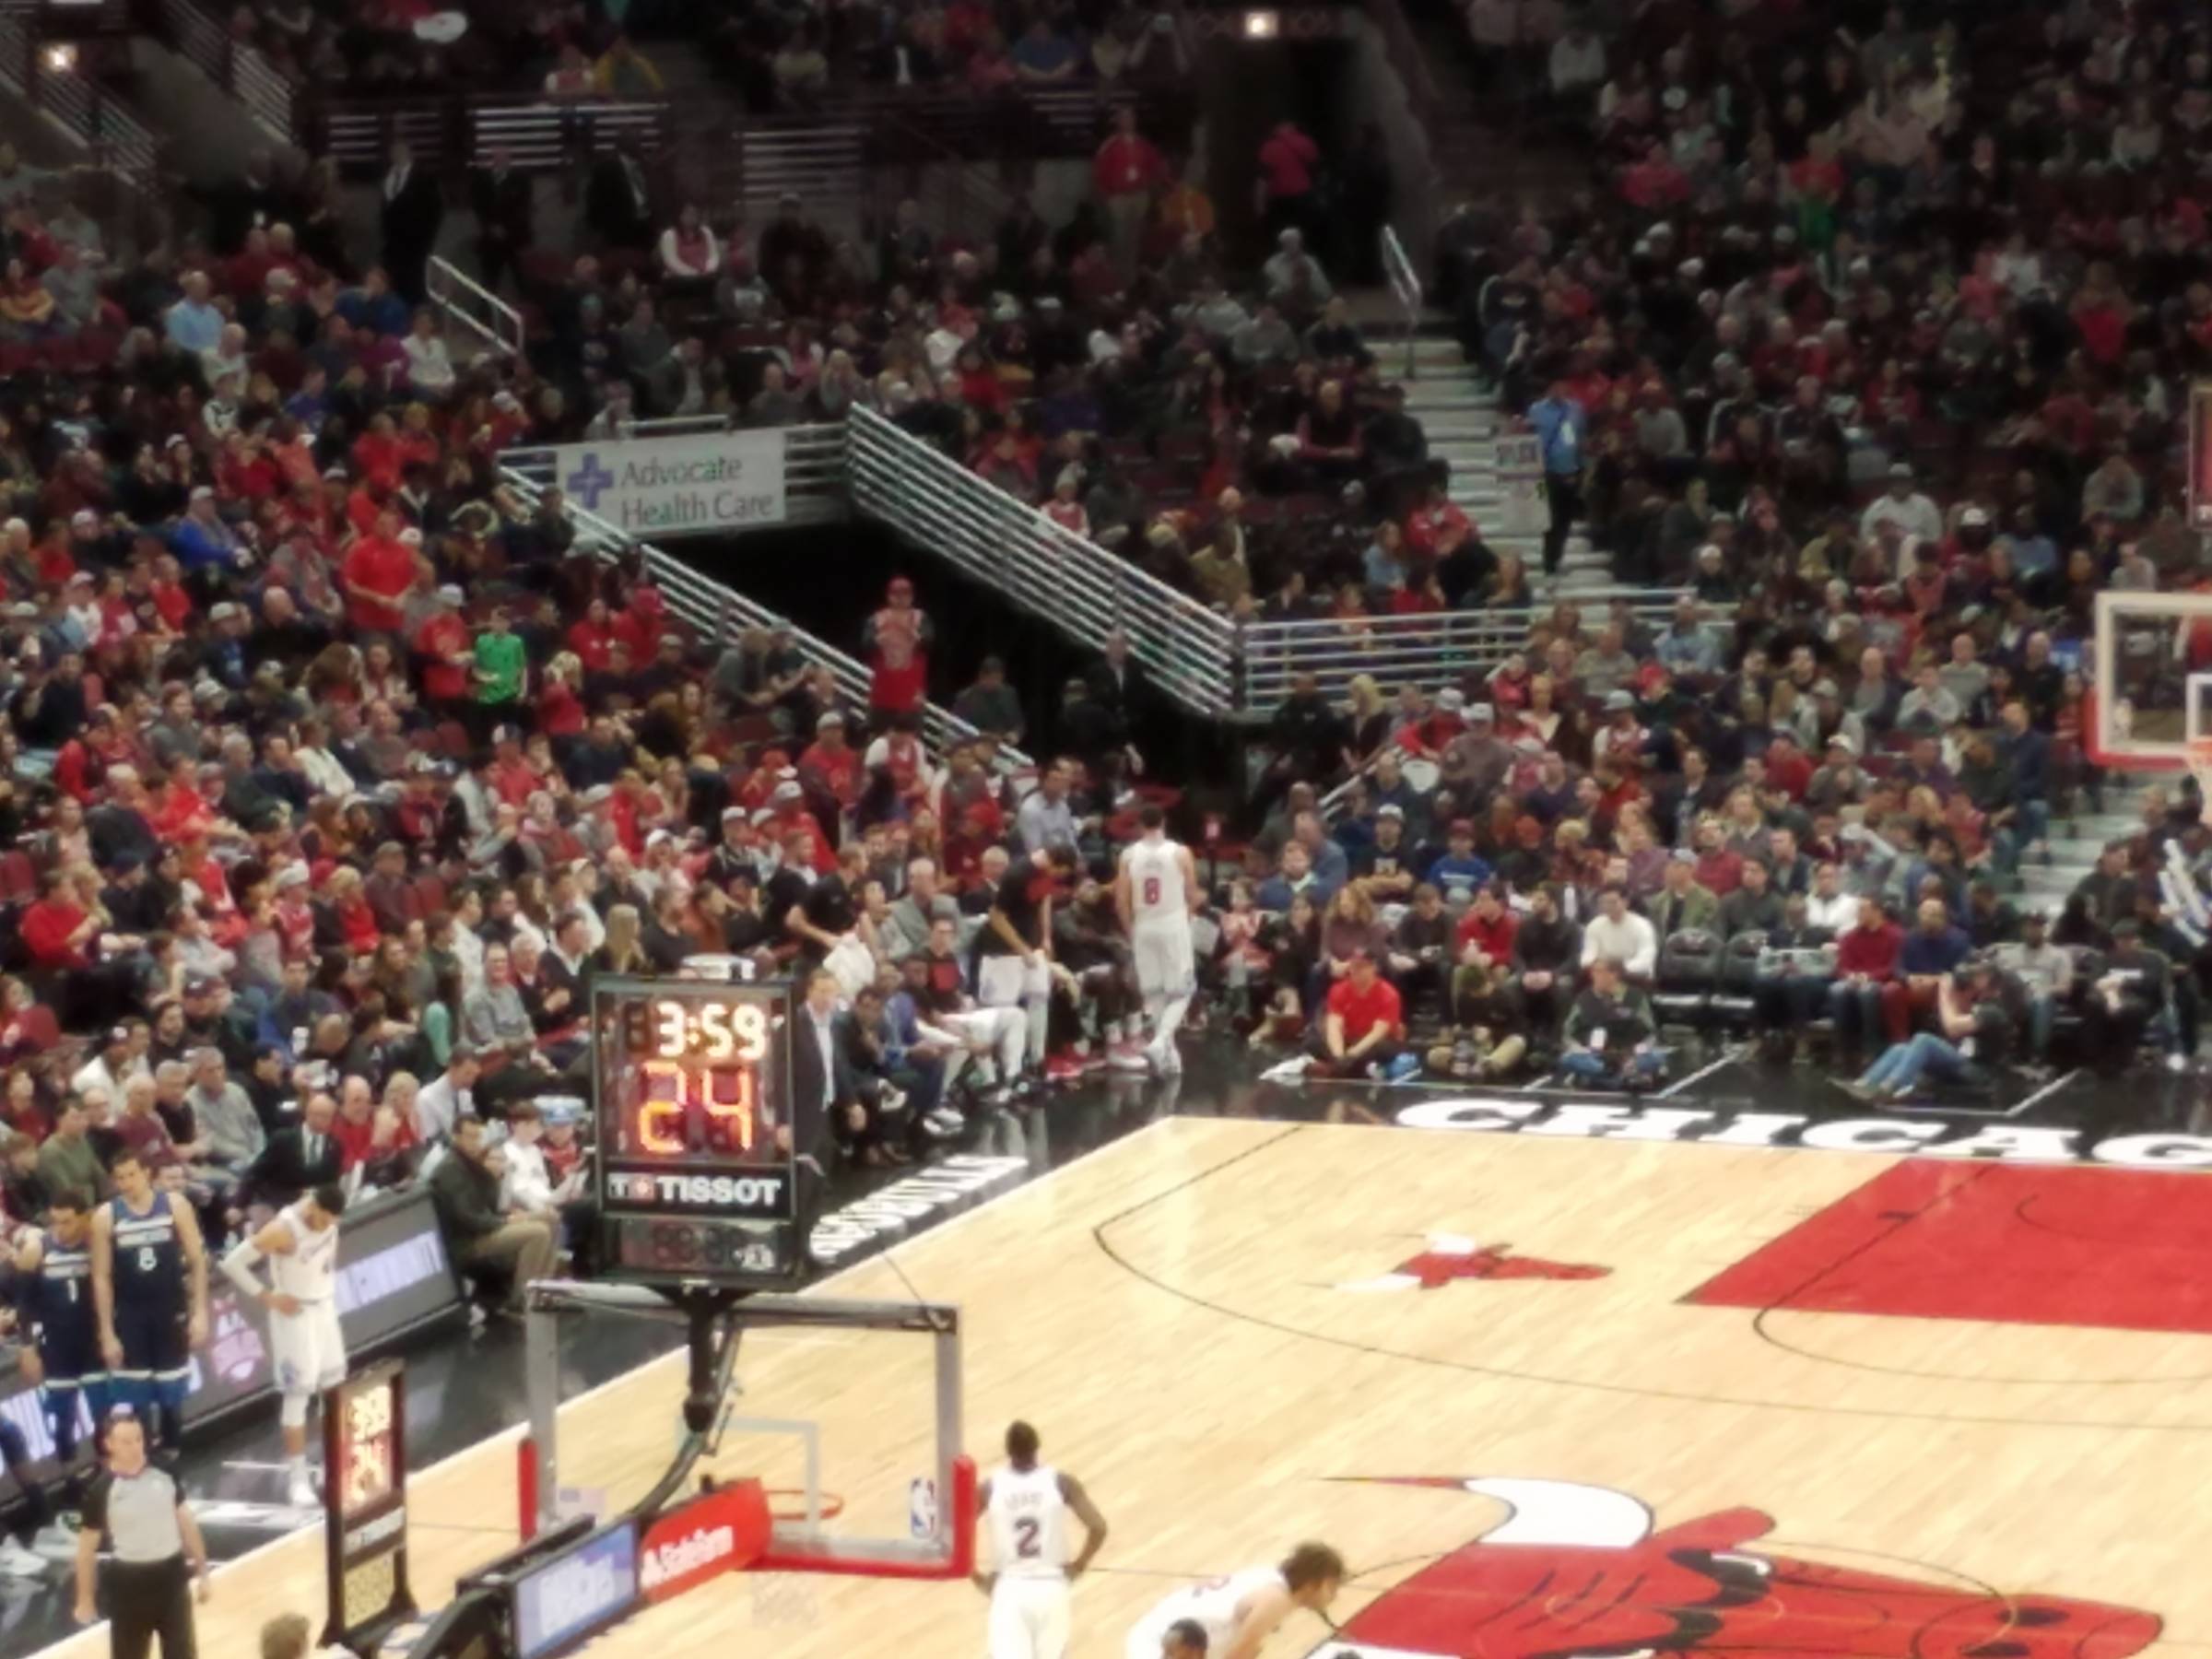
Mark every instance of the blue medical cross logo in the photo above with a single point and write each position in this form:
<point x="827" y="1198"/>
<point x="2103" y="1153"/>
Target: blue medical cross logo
<point x="588" y="481"/>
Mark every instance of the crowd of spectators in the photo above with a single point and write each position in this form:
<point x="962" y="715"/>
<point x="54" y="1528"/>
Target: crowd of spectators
<point x="333" y="769"/>
<point x="1877" y="353"/>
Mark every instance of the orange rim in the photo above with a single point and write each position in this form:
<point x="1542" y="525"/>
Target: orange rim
<point x="832" y="1505"/>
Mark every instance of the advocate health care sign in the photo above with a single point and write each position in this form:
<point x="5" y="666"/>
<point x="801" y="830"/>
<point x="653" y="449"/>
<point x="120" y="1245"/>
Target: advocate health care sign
<point x="695" y="484"/>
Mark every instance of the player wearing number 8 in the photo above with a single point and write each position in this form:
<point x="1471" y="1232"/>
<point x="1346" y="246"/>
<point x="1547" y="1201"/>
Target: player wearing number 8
<point x="1156" y="890"/>
<point x="1025" y="1506"/>
<point x="143" y="1245"/>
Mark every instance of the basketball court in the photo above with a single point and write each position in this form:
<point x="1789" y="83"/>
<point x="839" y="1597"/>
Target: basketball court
<point x="1547" y="1395"/>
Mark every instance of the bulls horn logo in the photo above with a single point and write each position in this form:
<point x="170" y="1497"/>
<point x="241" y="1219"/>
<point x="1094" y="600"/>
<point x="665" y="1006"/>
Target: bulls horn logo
<point x="1578" y="1573"/>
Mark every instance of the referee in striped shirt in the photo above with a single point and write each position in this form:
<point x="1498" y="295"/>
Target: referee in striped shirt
<point x="159" y="1558"/>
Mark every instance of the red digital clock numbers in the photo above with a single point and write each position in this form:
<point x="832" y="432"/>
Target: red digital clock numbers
<point x="689" y="1107"/>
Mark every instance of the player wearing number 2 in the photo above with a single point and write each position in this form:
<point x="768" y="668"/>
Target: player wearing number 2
<point x="1025" y="1506"/>
<point x="1156" y="891"/>
<point x="301" y="1247"/>
<point x="149" y="1288"/>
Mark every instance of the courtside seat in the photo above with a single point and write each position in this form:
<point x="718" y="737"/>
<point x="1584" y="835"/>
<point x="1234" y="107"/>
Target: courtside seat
<point x="1735" y="1002"/>
<point x="1688" y="973"/>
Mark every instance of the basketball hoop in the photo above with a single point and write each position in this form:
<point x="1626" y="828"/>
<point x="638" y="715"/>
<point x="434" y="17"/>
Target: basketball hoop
<point x="795" y="1500"/>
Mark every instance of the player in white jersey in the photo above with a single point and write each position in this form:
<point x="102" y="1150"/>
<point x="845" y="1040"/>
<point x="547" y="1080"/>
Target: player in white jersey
<point x="300" y="1244"/>
<point x="1156" y="890"/>
<point x="1025" y="1506"/>
<point x="1238" y="1613"/>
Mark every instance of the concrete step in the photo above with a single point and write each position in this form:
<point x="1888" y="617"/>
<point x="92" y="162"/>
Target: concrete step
<point x="1437" y="395"/>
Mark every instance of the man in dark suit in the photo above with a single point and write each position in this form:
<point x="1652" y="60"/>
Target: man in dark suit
<point x="819" y="1082"/>
<point x="411" y="208"/>
<point x="505" y="213"/>
<point x="617" y="203"/>
<point x="296" y="1159"/>
<point x="1114" y="682"/>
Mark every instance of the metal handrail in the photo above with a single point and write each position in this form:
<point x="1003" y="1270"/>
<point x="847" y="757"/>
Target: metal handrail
<point x="1405" y="287"/>
<point x="88" y="112"/>
<point x="462" y="300"/>
<point x="1085" y="590"/>
<point x="719" y="614"/>
<point x="814" y="465"/>
<point x="1426" y="650"/>
<point x="237" y="67"/>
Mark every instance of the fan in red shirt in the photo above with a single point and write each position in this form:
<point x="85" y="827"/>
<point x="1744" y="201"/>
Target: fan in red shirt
<point x="378" y="571"/>
<point x="447" y="651"/>
<point x="1865" y="963"/>
<point x="511" y="775"/>
<point x="171" y="602"/>
<point x="900" y="753"/>
<point x="57" y="930"/>
<point x="1363" y="1026"/>
<point x="897" y="639"/>
<point x="1437" y="527"/>
<point x="379" y="453"/>
<point x="1488" y="928"/>
<point x="833" y="762"/>
<point x="593" y="637"/>
<point x="366" y="1132"/>
<point x="1126" y="163"/>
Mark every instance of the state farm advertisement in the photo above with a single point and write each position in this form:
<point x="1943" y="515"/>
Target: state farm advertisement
<point x="719" y="1531"/>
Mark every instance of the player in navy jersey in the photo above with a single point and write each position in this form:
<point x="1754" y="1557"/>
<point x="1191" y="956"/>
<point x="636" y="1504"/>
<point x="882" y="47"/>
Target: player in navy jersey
<point x="54" y="1269"/>
<point x="149" y="1286"/>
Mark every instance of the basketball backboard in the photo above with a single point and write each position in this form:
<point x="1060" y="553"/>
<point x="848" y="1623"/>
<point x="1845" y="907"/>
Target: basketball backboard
<point x="868" y="1480"/>
<point x="2152" y="686"/>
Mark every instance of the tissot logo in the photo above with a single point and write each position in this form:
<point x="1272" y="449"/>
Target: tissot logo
<point x="2003" y="1143"/>
<point x="746" y="1195"/>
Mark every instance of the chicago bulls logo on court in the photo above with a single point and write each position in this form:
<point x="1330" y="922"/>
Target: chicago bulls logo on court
<point x="1451" y="1256"/>
<point x="1579" y="1570"/>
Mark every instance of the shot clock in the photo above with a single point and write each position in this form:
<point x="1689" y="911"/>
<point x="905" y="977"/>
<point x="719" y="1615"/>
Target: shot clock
<point x="691" y="1084"/>
<point x="365" y="1506"/>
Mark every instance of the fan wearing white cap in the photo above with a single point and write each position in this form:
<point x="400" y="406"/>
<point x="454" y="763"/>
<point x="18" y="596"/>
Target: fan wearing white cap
<point x="448" y="655"/>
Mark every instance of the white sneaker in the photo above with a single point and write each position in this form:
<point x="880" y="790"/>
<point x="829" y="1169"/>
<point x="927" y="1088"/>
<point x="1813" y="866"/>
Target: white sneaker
<point x="1288" y="1071"/>
<point x="1127" y="1057"/>
<point x="17" y="1562"/>
<point x="1165" y="1061"/>
<point x="944" y="1125"/>
<point x="300" y="1491"/>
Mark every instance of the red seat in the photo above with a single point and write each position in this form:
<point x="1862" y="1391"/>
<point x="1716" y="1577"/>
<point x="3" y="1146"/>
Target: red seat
<point x="19" y="876"/>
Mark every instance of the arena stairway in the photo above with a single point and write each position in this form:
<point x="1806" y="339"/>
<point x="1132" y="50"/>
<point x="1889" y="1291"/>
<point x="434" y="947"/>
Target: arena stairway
<point x="1463" y="421"/>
